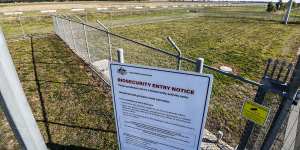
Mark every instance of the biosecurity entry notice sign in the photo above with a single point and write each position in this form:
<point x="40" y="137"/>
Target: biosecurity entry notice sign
<point x="159" y="109"/>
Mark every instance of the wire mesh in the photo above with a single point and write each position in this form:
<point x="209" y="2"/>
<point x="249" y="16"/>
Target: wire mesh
<point x="92" y="45"/>
<point x="80" y="47"/>
<point x="229" y="94"/>
<point x="98" y="44"/>
<point x="68" y="33"/>
<point x="138" y="54"/>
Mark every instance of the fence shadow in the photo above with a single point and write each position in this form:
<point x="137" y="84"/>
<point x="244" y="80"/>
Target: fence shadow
<point x="38" y="85"/>
<point x="45" y="113"/>
<point x="54" y="146"/>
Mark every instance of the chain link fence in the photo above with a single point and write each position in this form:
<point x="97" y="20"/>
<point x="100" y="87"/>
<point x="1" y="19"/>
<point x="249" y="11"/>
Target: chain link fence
<point x="95" y="45"/>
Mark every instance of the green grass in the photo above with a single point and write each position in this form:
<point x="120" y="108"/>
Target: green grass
<point x="73" y="108"/>
<point x="34" y="22"/>
<point x="242" y="44"/>
<point x="223" y="41"/>
<point x="240" y="37"/>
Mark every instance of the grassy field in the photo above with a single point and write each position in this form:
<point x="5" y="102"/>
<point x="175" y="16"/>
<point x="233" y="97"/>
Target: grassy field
<point x="245" y="45"/>
<point x="74" y="110"/>
<point x="69" y="105"/>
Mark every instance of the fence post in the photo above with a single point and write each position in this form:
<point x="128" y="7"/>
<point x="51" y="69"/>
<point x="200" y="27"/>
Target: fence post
<point x="284" y="108"/>
<point x="297" y="138"/>
<point x="87" y="43"/>
<point x="110" y="46"/>
<point x="64" y="31"/>
<point x="74" y="43"/>
<point x="108" y="37"/>
<point x="288" y="11"/>
<point x="199" y="65"/>
<point x="120" y="52"/>
<point x="259" y="98"/>
<point x="58" y="28"/>
<point x="54" y="24"/>
<point x="23" y="31"/>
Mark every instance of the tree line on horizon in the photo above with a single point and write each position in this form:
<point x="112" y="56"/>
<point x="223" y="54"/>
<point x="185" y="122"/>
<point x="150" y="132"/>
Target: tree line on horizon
<point x="280" y="6"/>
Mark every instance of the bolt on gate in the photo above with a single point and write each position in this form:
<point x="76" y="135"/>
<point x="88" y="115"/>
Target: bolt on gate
<point x="97" y="46"/>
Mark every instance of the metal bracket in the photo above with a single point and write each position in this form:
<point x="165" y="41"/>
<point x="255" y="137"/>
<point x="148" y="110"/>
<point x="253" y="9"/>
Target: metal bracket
<point x="274" y="86"/>
<point x="178" y="52"/>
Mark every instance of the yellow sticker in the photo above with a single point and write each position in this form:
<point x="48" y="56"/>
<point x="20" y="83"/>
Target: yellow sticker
<point x="255" y="112"/>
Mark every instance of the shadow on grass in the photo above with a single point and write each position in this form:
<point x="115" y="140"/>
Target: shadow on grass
<point x="38" y="85"/>
<point x="54" y="146"/>
<point x="45" y="117"/>
<point x="75" y="126"/>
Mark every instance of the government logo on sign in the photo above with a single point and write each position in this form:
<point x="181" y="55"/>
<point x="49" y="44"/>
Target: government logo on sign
<point x="122" y="71"/>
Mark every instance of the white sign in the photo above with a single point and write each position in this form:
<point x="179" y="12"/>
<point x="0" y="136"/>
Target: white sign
<point x="138" y="7"/>
<point x="104" y="8"/>
<point x="48" y="11"/>
<point x="122" y="8"/>
<point x="13" y="13"/>
<point x="77" y="9"/>
<point x="159" y="109"/>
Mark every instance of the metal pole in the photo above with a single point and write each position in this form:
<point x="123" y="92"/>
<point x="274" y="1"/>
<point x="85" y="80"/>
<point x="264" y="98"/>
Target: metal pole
<point x="54" y="24"/>
<point x="110" y="46"/>
<point x="108" y="37"/>
<point x="12" y="123"/>
<point x="284" y="108"/>
<point x="86" y="16"/>
<point x="120" y="52"/>
<point x="297" y="138"/>
<point x="86" y="39"/>
<point x="291" y="129"/>
<point x="87" y="44"/>
<point x="23" y="31"/>
<point x="287" y="15"/>
<point x="178" y="57"/>
<point x="64" y="31"/>
<point x="57" y="28"/>
<point x="74" y="43"/>
<point x="259" y="97"/>
<point x="15" y="104"/>
<point x="199" y="65"/>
